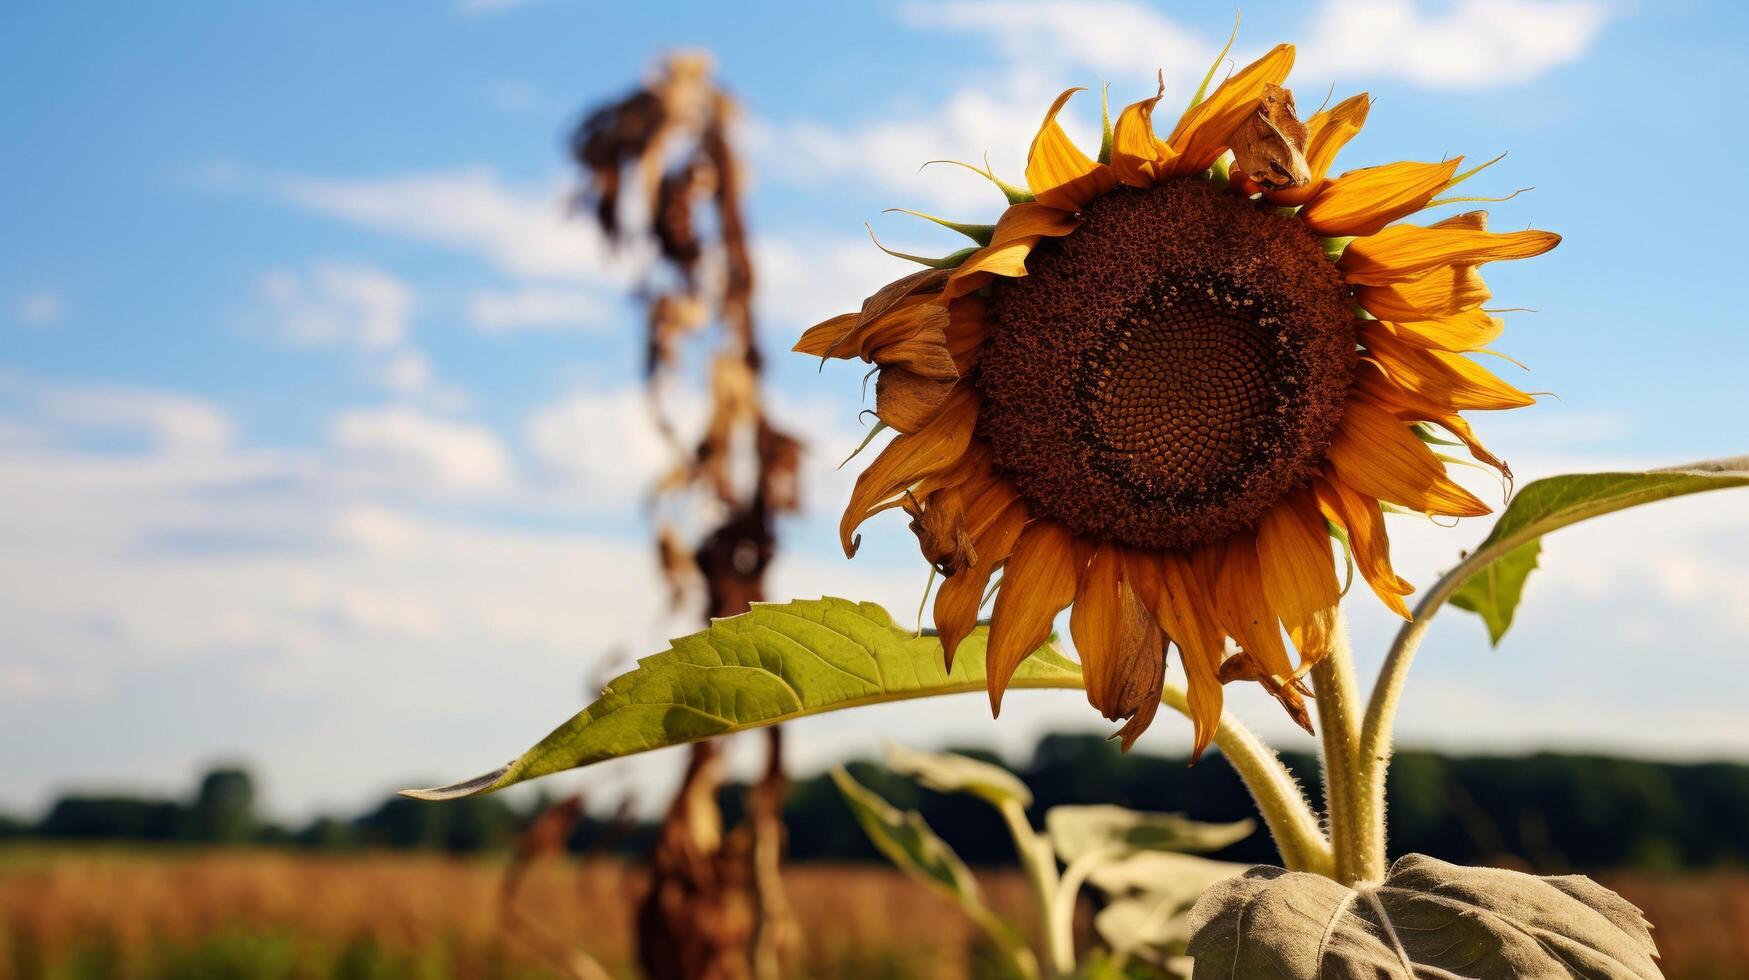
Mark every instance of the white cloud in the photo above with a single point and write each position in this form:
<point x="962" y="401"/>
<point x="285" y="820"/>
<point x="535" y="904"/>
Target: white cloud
<point x="39" y="309"/>
<point x="536" y="309"/>
<point x="600" y="445"/>
<point x="337" y="305"/>
<point x="1115" y="37"/>
<point x="521" y="231"/>
<point x="169" y="421"/>
<point x="804" y="280"/>
<point x="407" y="372"/>
<point x="1044" y="47"/>
<point x="359" y="310"/>
<point x="400" y="447"/>
<point x="1469" y="44"/>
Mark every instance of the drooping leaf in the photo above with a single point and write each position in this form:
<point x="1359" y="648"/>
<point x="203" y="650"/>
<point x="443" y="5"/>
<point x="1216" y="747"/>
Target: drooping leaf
<point x="1426" y="919"/>
<point x="948" y="772"/>
<point x="1077" y="831"/>
<point x="1148" y="898"/>
<point x="909" y="843"/>
<point x="916" y="850"/>
<point x="1494" y="592"/>
<point x="776" y="662"/>
<point x="1553" y="503"/>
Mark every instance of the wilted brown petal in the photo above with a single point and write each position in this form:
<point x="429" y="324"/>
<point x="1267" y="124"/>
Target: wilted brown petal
<point x="939" y="521"/>
<point x="907" y="400"/>
<point x="1270" y="145"/>
<point x="1140" y="672"/>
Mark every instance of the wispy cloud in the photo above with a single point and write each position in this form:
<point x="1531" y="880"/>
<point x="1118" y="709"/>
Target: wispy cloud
<point x="41" y="308"/>
<point x="1041" y="48"/>
<point x="537" y="308"/>
<point x="337" y="305"/>
<point x="401" y="447"/>
<point x="1468" y="44"/>
<point x="522" y="231"/>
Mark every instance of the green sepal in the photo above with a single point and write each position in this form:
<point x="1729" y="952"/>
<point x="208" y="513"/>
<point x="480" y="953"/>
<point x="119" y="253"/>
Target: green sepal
<point x="982" y="234"/>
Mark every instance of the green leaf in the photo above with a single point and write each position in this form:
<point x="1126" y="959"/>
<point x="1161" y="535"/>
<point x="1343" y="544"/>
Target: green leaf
<point x="1495" y="574"/>
<point x="1078" y="831"/>
<point x="909" y="843"/>
<point x="1426" y="919"/>
<point x="1493" y="593"/>
<point x="948" y="772"/>
<point x="777" y="662"/>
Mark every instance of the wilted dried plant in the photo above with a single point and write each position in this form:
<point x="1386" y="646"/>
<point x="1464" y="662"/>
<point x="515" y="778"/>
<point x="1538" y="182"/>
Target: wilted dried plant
<point x="715" y="907"/>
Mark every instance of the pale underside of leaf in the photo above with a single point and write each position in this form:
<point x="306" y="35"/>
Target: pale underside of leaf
<point x="778" y="662"/>
<point x="1427" y="919"/>
<point x="1077" y="831"/>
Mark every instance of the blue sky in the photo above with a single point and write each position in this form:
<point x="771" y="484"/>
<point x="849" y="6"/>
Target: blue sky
<point x="320" y="445"/>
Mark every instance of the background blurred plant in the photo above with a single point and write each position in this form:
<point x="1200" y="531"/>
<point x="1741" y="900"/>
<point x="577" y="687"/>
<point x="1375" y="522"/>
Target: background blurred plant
<point x="1127" y="855"/>
<point x="715" y="907"/>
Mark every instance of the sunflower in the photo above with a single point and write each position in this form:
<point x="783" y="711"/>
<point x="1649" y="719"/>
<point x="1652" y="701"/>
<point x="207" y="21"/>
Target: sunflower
<point x="1167" y="378"/>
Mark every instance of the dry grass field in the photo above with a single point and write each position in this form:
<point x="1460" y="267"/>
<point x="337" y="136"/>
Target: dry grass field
<point x="375" y="916"/>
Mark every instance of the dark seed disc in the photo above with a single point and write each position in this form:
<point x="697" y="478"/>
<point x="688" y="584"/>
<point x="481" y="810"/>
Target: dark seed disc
<point x="1171" y="369"/>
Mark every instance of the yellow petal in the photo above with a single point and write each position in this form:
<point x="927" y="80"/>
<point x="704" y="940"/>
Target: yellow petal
<point x="1017" y="231"/>
<point x="1299" y="574"/>
<point x="1466" y="331"/>
<point x="1184" y="604"/>
<point x="1059" y="174"/>
<point x="1376" y="454"/>
<point x="1138" y="157"/>
<point x="1096" y="623"/>
<point x="1203" y="132"/>
<point x="1326" y="134"/>
<point x="1245" y="614"/>
<point x="1371" y="380"/>
<point x="1443" y="292"/>
<point x="994" y="524"/>
<point x="1402" y="252"/>
<point x="1176" y="595"/>
<point x="827" y="338"/>
<point x="1361" y="202"/>
<point x="909" y="458"/>
<point x="1037" y="583"/>
<point x="1364" y="523"/>
<point x="1452" y="381"/>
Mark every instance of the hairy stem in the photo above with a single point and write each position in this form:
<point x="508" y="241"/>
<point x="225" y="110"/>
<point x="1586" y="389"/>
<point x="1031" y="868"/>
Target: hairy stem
<point x="1279" y="798"/>
<point x="1356" y="825"/>
<point x="1374" y="750"/>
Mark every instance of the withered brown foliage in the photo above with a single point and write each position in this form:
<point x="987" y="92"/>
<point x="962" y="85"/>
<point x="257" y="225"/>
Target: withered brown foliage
<point x="715" y="907"/>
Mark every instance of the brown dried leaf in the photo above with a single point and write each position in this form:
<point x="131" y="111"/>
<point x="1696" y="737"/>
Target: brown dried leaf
<point x="1269" y="147"/>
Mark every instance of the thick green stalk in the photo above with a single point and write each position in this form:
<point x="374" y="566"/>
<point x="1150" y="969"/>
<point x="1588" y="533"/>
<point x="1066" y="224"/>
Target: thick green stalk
<point x="1356" y="823"/>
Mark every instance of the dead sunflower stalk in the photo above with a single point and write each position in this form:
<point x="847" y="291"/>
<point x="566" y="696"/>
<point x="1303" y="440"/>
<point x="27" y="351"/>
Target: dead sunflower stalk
<point x="715" y="907"/>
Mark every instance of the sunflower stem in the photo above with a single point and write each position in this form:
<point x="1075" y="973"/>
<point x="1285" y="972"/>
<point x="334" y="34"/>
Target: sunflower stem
<point x="1356" y="820"/>
<point x="1286" y="813"/>
<point x="1387" y="692"/>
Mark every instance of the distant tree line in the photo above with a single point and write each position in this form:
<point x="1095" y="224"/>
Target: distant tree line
<point x="1548" y="811"/>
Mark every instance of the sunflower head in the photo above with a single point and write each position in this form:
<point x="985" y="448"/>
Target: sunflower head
<point x="1167" y="378"/>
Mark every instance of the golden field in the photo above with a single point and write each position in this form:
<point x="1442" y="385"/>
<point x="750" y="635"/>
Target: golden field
<point x="92" y="913"/>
